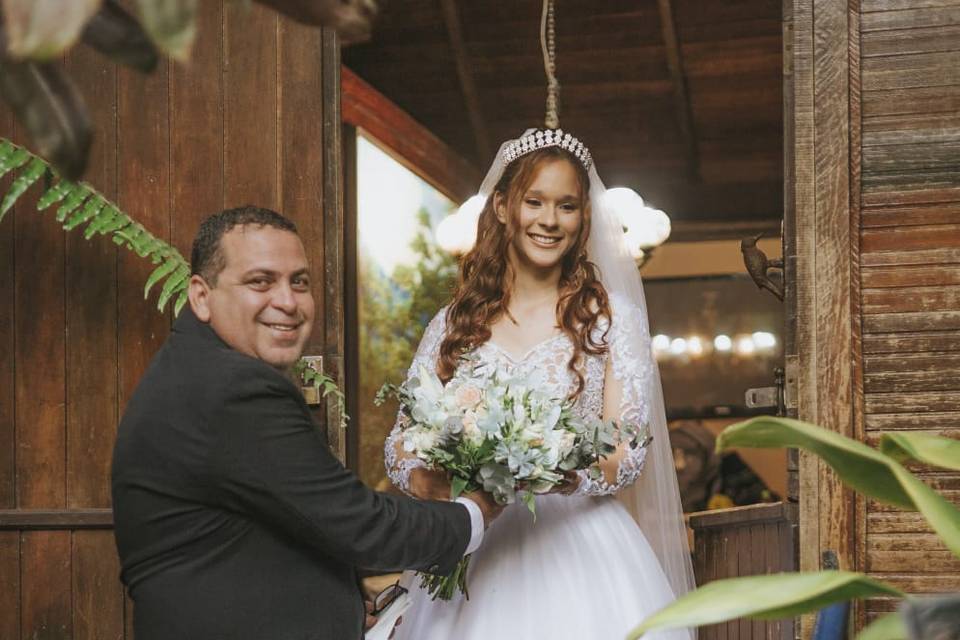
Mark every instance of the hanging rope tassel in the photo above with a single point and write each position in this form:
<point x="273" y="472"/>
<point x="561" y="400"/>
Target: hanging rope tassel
<point x="548" y="46"/>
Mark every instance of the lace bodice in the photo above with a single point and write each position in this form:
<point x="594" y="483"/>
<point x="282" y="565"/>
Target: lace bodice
<point x="550" y="357"/>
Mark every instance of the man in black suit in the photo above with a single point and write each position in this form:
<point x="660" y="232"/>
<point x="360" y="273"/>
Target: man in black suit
<point x="233" y="519"/>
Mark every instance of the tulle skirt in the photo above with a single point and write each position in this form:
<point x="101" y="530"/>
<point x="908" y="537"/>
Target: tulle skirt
<point x="583" y="570"/>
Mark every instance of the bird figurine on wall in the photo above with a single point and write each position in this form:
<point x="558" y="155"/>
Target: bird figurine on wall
<point x="759" y="266"/>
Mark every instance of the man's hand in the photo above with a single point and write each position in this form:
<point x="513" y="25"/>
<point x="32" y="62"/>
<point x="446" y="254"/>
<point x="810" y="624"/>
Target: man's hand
<point x="488" y="506"/>
<point x="429" y="484"/>
<point x="369" y="620"/>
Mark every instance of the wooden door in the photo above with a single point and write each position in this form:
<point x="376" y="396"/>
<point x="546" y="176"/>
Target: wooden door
<point x="873" y="188"/>
<point x="254" y="118"/>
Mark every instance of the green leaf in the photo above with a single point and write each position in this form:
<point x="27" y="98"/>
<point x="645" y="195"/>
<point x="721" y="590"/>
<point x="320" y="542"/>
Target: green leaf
<point x="172" y="24"/>
<point x="181" y="300"/>
<point x="73" y="200"/>
<point x="119" y="222"/>
<point x="56" y="193"/>
<point x="27" y="177"/>
<point x="16" y="158"/>
<point x="866" y="470"/>
<point x="457" y="485"/>
<point x="886" y="627"/>
<point x="92" y="207"/>
<point x="106" y="215"/>
<point x="773" y="597"/>
<point x="158" y="274"/>
<point x="933" y="450"/>
<point x="531" y="501"/>
<point x="173" y="285"/>
<point x="42" y="29"/>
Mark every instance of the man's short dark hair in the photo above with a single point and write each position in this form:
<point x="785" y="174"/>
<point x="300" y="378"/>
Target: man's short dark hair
<point x="207" y="259"/>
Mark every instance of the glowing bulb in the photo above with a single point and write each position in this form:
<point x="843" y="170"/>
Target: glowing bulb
<point x="678" y="346"/>
<point x="764" y="340"/>
<point x="661" y="342"/>
<point x="746" y="346"/>
<point x="694" y="346"/>
<point x="722" y="343"/>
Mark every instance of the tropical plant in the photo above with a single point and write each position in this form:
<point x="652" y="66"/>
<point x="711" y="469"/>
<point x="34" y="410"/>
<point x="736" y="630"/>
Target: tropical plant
<point x="875" y="474"/>
<point x="48" y="104"/>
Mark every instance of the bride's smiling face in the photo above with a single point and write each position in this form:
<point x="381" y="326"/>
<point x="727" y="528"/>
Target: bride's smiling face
<point x="549" y="219"/>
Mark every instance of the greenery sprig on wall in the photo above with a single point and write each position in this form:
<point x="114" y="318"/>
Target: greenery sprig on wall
<point x="81" y="204"/>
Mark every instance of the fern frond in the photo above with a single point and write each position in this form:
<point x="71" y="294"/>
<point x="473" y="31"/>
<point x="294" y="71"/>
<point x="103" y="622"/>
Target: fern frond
<point x="81" y="204"/>
<point x="24" y="181"/>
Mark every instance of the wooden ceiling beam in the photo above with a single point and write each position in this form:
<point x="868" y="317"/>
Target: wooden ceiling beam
<point x="681" y="97"/>
<point x="451" y="18"/>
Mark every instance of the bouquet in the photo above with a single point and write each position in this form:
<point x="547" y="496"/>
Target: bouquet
<point x="492" y="430"/>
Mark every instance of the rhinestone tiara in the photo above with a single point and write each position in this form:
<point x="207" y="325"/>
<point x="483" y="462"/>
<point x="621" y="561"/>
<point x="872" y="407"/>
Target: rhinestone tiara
<point x="548" y="138"/>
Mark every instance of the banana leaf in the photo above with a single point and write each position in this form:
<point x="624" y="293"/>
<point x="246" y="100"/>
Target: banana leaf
<point x="859" y="466"/>
<point x="42" y="29"/>
<point x="922" y="447"/>
<point x="886" y="627"/>
<point x="172" y="25"/>
<point x="117" y="35"/>
<point x="772" y="597"/>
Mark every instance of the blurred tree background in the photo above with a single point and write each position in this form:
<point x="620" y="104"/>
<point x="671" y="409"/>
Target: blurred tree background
<point x="394" y="312"/>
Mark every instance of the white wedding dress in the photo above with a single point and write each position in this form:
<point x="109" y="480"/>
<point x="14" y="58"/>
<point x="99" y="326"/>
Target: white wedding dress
<point x="584" y="569"/>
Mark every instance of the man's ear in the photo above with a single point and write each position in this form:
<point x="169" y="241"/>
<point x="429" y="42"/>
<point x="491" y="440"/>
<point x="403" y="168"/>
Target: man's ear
<point x="199" y="295"/>
<point x="499" y="207"/>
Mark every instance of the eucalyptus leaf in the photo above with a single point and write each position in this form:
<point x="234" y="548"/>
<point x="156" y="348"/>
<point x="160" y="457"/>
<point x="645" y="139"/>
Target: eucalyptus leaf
<point x="928" y="449"/>
<point x="172" y="24"/>
<point x="772" y="597"/>
<point x="863" y="468"/>
<point x="42" y="29"/>
<point x="886" y="627"/>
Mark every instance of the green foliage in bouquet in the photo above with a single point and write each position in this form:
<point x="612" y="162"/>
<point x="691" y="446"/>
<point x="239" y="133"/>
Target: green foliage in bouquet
<point x="876" y="474"/>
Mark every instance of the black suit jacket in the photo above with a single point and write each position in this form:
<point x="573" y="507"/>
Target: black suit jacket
<point x="234" y="520"/>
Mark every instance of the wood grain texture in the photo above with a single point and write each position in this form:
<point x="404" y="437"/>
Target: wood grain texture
<point x="45" y="609"/>
<point x="97" y="594"/>
<point x="197" y="131"/>
<point x="8" y="396"/>
<point x="250" y="89"/>
<point x="91" y="305"/>
<point x="9" y="584"/>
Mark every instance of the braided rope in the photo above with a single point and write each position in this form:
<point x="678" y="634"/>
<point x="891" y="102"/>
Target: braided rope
<point x="548" y="46"/>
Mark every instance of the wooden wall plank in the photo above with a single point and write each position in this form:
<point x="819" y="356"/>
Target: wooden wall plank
<point x="943" y="379"/>
<point x="911" y="298"/>
<point x="918" y="321"/>
<point x="44" y="567"/>
<point x="911" y="276"/>
<point x="8" y="442"/>
<point x="913" y="70"/>
<point x="196" y="131"/>
<point x="940" y="99"/>
<point x="9" y="584"/>
<point x="143" y="161"/>
<point x="40" y="347"/>
<point x="947" y="255"/>
<point x="915" y="40"/>
<point x="930" y="420"/>
<point x="251" y="145"/>
<point x="905" y="362"/>
<point x="913" y="402"/>
<point x="91" y="304"/>
<point x="869" y="6"/>
<point x="938" y="236"/>
<point x="910" y="18"/>
<point x="945" y="213"/>
<point x="97" y="594"/>
<point x="911" y="128"/>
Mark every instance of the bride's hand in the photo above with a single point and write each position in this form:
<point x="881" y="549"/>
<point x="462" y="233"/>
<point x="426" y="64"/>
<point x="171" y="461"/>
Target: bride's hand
<point x="429" y="484"/>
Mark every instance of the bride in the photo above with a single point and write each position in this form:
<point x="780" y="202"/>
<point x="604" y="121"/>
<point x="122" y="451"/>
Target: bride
<point x="550" y="286"/>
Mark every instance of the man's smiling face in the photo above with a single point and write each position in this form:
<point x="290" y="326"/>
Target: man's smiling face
<point x="261" y="304"/>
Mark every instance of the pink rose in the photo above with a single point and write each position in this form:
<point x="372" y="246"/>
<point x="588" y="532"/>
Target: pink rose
<point x="467" y="396"/>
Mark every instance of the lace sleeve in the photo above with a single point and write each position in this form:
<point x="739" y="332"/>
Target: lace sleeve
<point x="625" y="397"/>
<point x="398" y="462"/>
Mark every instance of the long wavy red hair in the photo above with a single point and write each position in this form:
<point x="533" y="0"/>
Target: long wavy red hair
<point x="486" y="275"/>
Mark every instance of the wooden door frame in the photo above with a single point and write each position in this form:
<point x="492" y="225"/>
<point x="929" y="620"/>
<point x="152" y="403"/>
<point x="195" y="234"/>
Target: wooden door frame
<point x="822" y="251"/>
